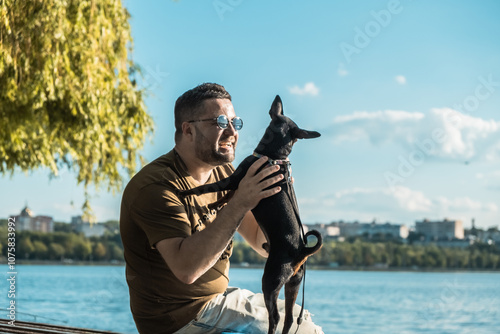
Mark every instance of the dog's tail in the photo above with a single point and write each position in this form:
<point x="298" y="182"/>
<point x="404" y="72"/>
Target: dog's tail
<point x="308" y="251"/>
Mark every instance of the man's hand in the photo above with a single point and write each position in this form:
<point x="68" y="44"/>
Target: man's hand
<point x="251" y="188"/>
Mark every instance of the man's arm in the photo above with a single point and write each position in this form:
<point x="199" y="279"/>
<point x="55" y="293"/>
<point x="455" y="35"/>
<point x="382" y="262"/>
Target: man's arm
<point x="189" y="258"/>
<point x="252" y="233"/>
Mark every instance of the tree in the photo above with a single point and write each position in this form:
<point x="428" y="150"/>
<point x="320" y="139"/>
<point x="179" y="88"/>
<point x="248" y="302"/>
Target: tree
<point x="82" y="249"/>
<point x="63" y="227"/>
<point x="26" y="247"/>
<point x="68" y="94"/>
<point x="238" y="254"/>
<point x="115" y="252"/>
<point x="99" y="251"/>
<point x="56" y="251"/>
<point x="41" y="250"/>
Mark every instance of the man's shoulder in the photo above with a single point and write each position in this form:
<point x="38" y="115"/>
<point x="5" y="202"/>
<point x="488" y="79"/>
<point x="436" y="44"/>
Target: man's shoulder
<point x="223" y="171"/>
<point x="153" y="173"/>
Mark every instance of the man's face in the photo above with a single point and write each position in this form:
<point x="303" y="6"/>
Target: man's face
<point x="213" y="145"/>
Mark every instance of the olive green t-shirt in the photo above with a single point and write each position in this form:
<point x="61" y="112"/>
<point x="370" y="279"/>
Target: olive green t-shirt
<point x="150" y="212"/>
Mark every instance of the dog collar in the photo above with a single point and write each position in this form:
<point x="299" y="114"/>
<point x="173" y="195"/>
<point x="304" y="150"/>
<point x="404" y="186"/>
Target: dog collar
<point x="273" y="162"/>
<point x="283" y="162"/>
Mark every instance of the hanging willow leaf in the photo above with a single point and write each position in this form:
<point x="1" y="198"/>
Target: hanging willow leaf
<point x="68" y="96"/>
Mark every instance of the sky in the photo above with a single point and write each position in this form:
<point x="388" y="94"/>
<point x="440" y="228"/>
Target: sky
<point x="406" y="95"/>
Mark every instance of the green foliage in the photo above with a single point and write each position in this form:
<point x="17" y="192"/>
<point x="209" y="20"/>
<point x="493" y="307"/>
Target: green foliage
<point x="242" y="252"/>
<point x="56" y="251"/>
<point x="65" y="245"/>
<point x="354" y="254"/>
<point x="99" y="251"/>
<point x="82" y="249"/>
<point x="25" y="248"/>
<point x="68" y="97"/>
<point x="62" y="227"/>
<point x="360" y="254"/>
<point x="41" y="251"/>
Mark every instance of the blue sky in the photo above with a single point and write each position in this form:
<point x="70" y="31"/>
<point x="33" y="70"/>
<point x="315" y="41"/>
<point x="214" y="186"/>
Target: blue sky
<point x="405" y="93"/>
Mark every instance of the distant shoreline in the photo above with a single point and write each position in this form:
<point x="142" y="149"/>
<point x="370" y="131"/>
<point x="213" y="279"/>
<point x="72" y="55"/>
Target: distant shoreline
<point x="371" y="269"/>
<point x="66" y="263"/>
<point x="258" y="266"/>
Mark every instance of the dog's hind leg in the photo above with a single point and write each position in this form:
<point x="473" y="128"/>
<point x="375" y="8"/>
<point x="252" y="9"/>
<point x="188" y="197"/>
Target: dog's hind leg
<point x="291" y="291"/>
<point x="272" y="282"/>
<point x="271" y="299"/>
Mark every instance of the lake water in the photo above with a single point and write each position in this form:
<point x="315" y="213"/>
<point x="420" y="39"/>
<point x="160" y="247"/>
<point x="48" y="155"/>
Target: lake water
<point x="341" y="301"/>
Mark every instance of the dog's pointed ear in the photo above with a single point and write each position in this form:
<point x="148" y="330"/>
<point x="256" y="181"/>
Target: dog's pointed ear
<point x="305" y="134"/>
<point x="276" y="108"/>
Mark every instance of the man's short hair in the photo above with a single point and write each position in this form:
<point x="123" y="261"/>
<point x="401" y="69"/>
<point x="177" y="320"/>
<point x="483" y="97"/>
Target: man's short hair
<point x="187" y="106"/>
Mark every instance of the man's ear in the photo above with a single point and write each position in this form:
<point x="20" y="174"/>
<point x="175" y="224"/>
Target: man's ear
<point x="304" y="134"/>
<point x="276" y="107"/>
<point x="187" y="129"/>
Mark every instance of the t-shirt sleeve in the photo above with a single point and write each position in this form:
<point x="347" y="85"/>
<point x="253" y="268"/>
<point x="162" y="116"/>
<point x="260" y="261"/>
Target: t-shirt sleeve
<point x="160" y="214"/>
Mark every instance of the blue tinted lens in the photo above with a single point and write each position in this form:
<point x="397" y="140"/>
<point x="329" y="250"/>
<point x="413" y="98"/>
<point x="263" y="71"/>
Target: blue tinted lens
<point x="222" y="121"/>
<point x="237" y="123"/>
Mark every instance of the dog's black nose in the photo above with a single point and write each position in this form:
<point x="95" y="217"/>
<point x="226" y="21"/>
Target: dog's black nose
<point x="276" y="107"/>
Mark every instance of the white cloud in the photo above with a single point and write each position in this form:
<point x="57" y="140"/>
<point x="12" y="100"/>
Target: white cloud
<point x="389" y="116"/>
<point x="308" y="89"/>
<point x="400" y="79"/>
<point x="442" y="132"/>
<point x="400" y="205"/>
<point x="385" y="199"/>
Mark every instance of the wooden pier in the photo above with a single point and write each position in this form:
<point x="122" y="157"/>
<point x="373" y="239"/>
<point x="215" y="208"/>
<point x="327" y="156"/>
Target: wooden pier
<point x="35" y="327"/>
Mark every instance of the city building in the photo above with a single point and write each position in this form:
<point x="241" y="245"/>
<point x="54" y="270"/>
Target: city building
<point x="88" y="229"/>
<point x="324" y="229"/>
<point x="387" y="229"/>
<point x="27" y="221"/>
<point x="373" y="229"/>
<point x="440" y="230"/>
<point x="493" y="234"/>
<point x="342" y="230"/>
<point x="489" y="236"/>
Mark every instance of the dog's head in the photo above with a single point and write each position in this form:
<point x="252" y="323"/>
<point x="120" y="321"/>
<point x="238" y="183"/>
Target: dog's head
<point x="281" y="134"/>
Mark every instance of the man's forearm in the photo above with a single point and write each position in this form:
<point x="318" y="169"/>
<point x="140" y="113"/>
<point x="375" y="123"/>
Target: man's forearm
<point x="199" y="252"/>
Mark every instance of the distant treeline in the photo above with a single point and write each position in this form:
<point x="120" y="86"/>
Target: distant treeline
<point x="65" y="244"/>
<point x="354" y="252"/>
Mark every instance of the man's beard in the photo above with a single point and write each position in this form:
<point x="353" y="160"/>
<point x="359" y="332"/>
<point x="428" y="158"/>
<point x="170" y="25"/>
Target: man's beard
<point x="209" y="154"/>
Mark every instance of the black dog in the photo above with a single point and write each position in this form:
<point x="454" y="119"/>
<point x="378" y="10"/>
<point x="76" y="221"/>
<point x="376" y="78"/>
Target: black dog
<point x="277" y="216"/>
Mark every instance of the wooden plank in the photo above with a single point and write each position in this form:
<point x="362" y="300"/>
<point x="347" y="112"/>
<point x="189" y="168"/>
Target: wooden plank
<point x="36" y="327"/>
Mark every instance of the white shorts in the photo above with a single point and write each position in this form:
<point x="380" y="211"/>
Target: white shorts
<point x="242" y="311"/>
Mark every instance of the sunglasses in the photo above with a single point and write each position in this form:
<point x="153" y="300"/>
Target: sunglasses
<point x="223" y="122"/>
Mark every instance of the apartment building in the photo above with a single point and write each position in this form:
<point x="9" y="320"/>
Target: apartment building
<point x="441" y="229"/>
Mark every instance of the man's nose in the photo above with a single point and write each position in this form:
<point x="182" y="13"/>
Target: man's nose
<point x="230" y="130"/>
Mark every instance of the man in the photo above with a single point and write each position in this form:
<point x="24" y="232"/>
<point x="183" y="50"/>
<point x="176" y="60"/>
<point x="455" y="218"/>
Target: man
<point x="177" y="250"/>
